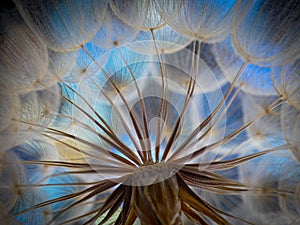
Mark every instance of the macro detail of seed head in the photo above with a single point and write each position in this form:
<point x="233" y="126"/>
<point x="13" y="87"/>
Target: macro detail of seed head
<point x="151" y="112"/>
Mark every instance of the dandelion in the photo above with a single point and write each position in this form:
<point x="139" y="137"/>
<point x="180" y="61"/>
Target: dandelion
<point x="149" y="112"/>
<point x="266" y="35"/>
<point x="63" y="25"/>
<point x="27" y="51"/>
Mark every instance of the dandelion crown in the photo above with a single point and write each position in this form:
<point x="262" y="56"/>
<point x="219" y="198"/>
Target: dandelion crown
<point x="152" y="112"/>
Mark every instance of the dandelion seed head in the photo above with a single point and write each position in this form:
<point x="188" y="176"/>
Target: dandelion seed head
<point x="149" y="112"/>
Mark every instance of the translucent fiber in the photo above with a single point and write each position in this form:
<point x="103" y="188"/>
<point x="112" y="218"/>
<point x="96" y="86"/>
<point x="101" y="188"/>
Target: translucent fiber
<point x="207" y="21"/>
<point x="65" y="25"/>
<point x="254" y="79"/>
<point x="268" y="34"/>
<point x="141" y="15"/>
<point x="20" y="46"/>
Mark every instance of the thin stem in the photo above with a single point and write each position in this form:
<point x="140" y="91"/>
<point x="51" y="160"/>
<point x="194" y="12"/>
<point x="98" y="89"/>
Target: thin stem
<point x="211" y="116"/>
<point x="162" y="99"/>
<point x="124" y="124"/>
<point x="144" y="114"/>
<point x="132" y="117"/>
<point x="189" y="94"/>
